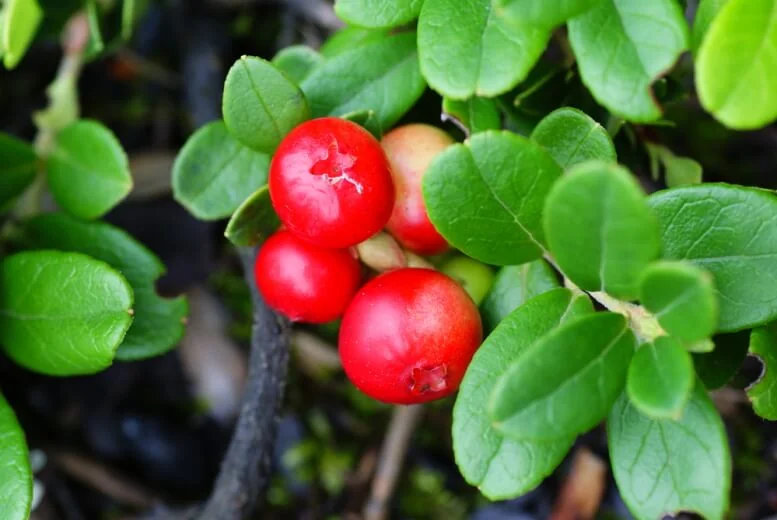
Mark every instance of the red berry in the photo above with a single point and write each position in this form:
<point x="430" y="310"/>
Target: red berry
<point x="410" y="150"/>
<point x="330" y="183"/>
<point x="408" y="336"/>
<point x="305" y="282"/>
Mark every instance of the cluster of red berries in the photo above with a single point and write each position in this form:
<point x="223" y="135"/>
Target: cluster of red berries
<point x="407" y="335"/>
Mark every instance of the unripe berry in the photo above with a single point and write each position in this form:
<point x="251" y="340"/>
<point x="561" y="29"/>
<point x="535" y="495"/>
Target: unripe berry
<point x="408" y="336"/>
<point x="305" y="282"/>
<point x="330" y="183"/>
<point x="476" y="278"/>
<point x="410" y="150"/>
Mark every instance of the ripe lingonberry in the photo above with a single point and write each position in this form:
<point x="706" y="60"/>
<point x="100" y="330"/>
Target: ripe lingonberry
<point x="408" y="336"/>
<point x="410" y="150"/>
<point x="305" y="282"/>
<point x="330" y="183"/>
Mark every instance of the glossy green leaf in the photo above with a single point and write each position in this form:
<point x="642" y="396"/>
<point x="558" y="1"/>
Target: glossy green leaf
<point x="486" y="196"/>
<point x="350" y="38"/>
<point x="158" y="325"/>
<point x="513" y="286"/>
<point x="499" y="466"/>
<point x="732" y="233"/>
<point x="382" y="75"/>
<point x="88" y="172"/>
<point x="716" y="368"/>
<point x="15" y="472"/>
<point x="472" y="115"/>
<point x="572" y="137"/>
<point x="378" y="13"/>
<point x="20" y="21"/>
<point x="484" y="56"/>
<point x="705" y="13"/>
<point x="663" y="466"/>
<point x="17" y="167"/>
<point x="682" y="297"/>
<point x="566" y="382"/>
<point x="763" y="393"/>
<point x="741" y="40"/>
<point x="600" y="229"/>
<point x="680" y="171"/>
<point x="297" y="62"/>
<point x="544" y="13"/>
<point x="62" y="313"/>
<point x="253" y="221"/>
<point x="214" y="173"/>
<point x="623" y="47"/>
<point x="367" y="119"/>
<point x="660" y="378"/>
<point x="261" y="104"/>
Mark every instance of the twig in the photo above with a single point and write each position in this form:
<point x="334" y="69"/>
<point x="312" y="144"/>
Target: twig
<point x="391" y="458"/>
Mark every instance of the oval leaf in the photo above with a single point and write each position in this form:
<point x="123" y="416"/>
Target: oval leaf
<point x="600" y="229"/>
<point x="253" y="221"/>
<point x="566" y="382"/>
<point x="368" y="120"/>
<point x="706" y="12"/>
<point x="297" y="62"/>
<point x="732" y="233"/>
<point x="513" y="286"/>
<point x="88" y="171"/>
<point x="484" y="56"/>
<point x="350" y="38"/>
<point x="623" y="47"/>
<point x="62" y="313"/>
<point x="214" y="173"/>
<point x="682" y="297"/>
<point x="545" y="13"/>
<point x="19" y="23"/>
<point x="486" y="196"/>
<point x="158" y="325"/>
<point x="378" y="13"/>
<point x="663" y="466"/>
<point x="763" y="393"/>
<point x="572" y="137"/>
<point x="17" y="169"/>
<point x="15" y="472"/>
<point x="742" y="41"/>
<point x="381" y="75"/>
<point x="472" y="115"/>
<point x="260" y="104"/>
<point x="660" y="378"/>
<point x="499" y="466"/>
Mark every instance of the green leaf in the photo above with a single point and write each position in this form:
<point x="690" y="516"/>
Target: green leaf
<point x="741" y="40"/>
<point x="260" y="104"/>
<point x="680" y="171"/>
<point x="623" y="47"/>
<point x="600" y="229"/>
<point x="732" y="233"/>
<point x="484" y="56"/>
<point x="682" y="297"/>
<point x="62" y="314"/>
<point x="716" y="368"/>
<point x="17" y="169"/>
<point x="545" y="13"/>
<point x="297" y="62"/>
<point x="572" y="137"/>
<point x="513" y="286"/>
<point x="129" y="15"/>
<point x="663" y="466"/>
<point x="705" y="14"/>
<point x="96" y="43"/>
<point x="158" y="324"/>
<point x="378" y="13"/>
<point x="15" y="472"/>
<point x="88" y="171"/>
<point x="21" y="19"/>
<point x="486" y="196"/>
<point x="367" y="119"/>
<point x="472" y="115"/>
<point x="660" y="378"/>
<point x="381" y="75"/>
<point x="350" y="38"/>
<point x="502" y="467"/>
<point x="763" y="393"/>
<point x="566" y="382"/>
<point x="253" y="221"/>
<point x="214" y="173"/>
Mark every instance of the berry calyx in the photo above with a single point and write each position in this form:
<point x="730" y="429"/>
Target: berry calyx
<point x="408" y="336"/>
<point x="410" y="150"/>
<point x="330" y="183"/>
<point x="304" y="282"/>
